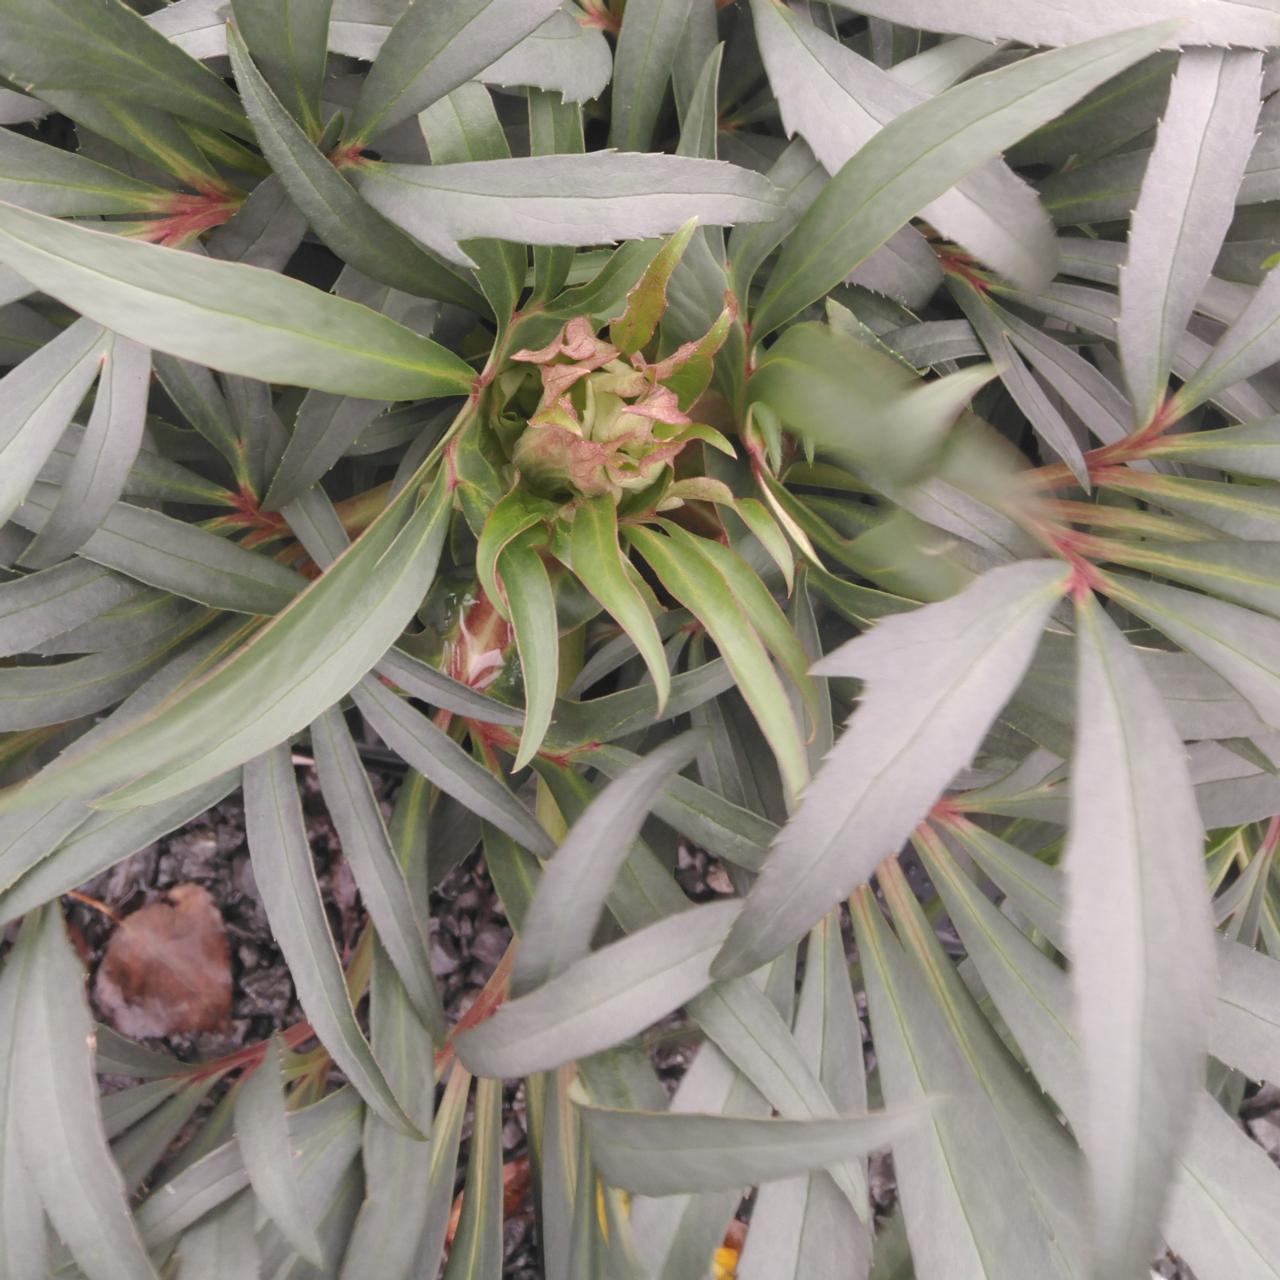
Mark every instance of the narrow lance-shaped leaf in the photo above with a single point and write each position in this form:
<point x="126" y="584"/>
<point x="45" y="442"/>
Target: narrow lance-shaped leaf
<point x="237" y="318"/>
<point x="1024" y="390"/>
<point x="311" y="654"/>
<point x="465" y="127"/>
<point x="571" y="893"/>
<point x="286" y="880"/>
<point x="534" y="621"/>
<point x="648" y="43"/>
<point x="1141" y="938"/>
<point x="1200" y="22"/>
<point x="337" y="213"/>
<point x="109" y="49"/>
<point x="925" y="151"/>
<point x="290" y="40"/>
<point x="1249" y="345"/>
<point x="648" y="296"/>
<point x="380" y="878"/>
<point x="602" y="999"/>
<point x="1243" y="647"/>
<point x="435" y="755"/>
<point x="837" y="100"/>
<point x="435" y="46"/>
<point x="262" y="1132"/>
<point x="24" y="1245"/>
<point x="662" y="1153"/>
<point x="477" y="1247"/>
<point x="562" y="57"/>
<point x="1186" y="205"/>
<point x="562" y="199"/>
<point x="106" y="454"/>
<point x="40" y="396"/>
<point x="967" y="1205"/>
<point x="934" y="679"/>
<point x="598" y="563"/>
<point x="700" y="586"/>
<point x="173" y="555"/>
<point x="64" y="183"/>
<point x="64" y="1146"/>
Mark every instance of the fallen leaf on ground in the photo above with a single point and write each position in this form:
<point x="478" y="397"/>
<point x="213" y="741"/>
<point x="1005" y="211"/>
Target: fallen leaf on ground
<point x="166" y="969"/>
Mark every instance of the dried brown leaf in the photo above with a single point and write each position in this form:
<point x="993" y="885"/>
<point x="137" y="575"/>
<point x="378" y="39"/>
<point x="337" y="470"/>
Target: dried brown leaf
<point x="166" y="969"/>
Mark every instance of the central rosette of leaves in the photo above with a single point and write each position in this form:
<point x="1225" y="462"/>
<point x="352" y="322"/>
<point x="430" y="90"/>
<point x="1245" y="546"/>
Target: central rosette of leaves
<point x="602" y="425"/>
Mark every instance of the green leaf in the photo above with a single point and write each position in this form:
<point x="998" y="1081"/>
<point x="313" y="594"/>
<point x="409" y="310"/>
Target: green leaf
<point x="562" y="199"/>
<point x="286" y="880"/>
<point x="1246" y="572"/>
<point x="598" y="563"/>
<point x="311" y="654"/>
<point x="477" y="1249"/>
<point x="262" y="1132"/>
<point x="648" y="43"/>
<point x="797" y="1222"/>
<point x="175" y="556"/>
<point x="64" y="1146"/>
<point x="331" y="1126"/>
<point x="919" y="722"/>
<point x="50" y="694"/>
<point x="111" y="441"/>
<point x="40" y="396"/>
<point x="702" y="588"/>
<point x="562" y="918"/>
<point x="425" y="682"/>
<point x="813" y="377"/>
<point x="923" y="152"/>
<point x="533" y="619"/>
<point x="555" y="127"/>
<point x="561" y="57"/>
<point x="698" y="813"/>
<point x="465" y="127"/>
<point x="39" y="606"/>
<point x="222" y="1243"/>
<point x="759" y="605"/>
<point x="108" y="49"/>
<point x="290" y="41"/>
<point x="1218" y="22"/>
<point x="1248" y="346"/>
<point x="236" y="318"/>
<point x="647" y="299"/>
<point x="359" y="235"/>
<point x="514" y="512"/>
<point x="408" y="1185"/>
<point x="435" y="46"/>
<point x="602" y="999"/>
<point x="1143" y="968"/>
<point x="1184" y="210"/>
<point x="662" y="1153"/>
<point x="84" y="848"/>
<point x="1251" y="450"/>
<point x="50" y="180"/>
<point x="1243" y="647"/>
<point x="837" y="100"/>
<point x="1246" y="1020"/>
<point x="1222" y="1209"/>
<point x="374" y="866"/>
<point x="1023" y="388"/>
<point x="23" y="1238"/>
<point x="435" y="755"/>
<point x="966" y="1203"/>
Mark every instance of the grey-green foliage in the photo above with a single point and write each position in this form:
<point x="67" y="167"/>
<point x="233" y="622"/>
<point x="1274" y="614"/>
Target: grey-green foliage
<point x="882" y="391"/>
